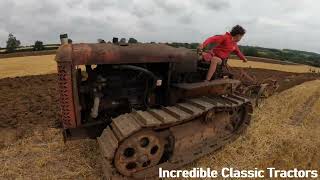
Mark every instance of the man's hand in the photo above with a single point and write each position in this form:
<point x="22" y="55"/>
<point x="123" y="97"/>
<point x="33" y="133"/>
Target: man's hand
<point x="200" y="46"/>
<point x="245" y="60"/>
<point x="200" y="49"/>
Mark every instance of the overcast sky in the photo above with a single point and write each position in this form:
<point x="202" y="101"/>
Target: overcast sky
<point x="292" y="24"/>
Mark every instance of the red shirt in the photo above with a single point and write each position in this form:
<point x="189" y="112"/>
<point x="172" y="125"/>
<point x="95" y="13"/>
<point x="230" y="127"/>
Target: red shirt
<point x="224" y="47"/>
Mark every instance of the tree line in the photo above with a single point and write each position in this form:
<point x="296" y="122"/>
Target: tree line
<point x="14" y="45"/>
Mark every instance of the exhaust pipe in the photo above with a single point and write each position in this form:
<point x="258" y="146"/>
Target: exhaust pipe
<point x="64" y="39"/>
<point x="95" y="109"/>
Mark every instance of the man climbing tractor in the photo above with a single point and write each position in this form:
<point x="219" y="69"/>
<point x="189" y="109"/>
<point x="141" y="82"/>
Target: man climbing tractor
<point x="225" y="44"/>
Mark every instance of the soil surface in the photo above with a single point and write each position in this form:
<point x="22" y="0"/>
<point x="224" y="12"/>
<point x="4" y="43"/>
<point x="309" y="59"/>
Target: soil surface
<point x="27" y="102"/>
<point x="286" y="80"/>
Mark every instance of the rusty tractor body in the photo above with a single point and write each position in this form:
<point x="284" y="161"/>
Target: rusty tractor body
<point x="146" y="104"/>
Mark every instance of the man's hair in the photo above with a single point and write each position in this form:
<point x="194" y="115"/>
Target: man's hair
<point x="237" y="30"/>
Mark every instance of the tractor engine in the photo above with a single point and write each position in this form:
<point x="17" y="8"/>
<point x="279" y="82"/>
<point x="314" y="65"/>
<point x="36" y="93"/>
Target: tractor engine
<point x="109" y="90"/>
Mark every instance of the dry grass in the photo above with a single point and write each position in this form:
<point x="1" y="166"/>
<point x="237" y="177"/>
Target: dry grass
<point x="43" y="155"/>
<point x="273" y="140"/>
<point x="35" y="65"/>
<point x="271" y="66"/>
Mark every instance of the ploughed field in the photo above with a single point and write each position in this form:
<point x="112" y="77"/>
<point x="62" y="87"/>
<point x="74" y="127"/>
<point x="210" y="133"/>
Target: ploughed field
<point x="284" y="133"/>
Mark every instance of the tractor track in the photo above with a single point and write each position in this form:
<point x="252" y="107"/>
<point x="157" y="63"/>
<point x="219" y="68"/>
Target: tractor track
<point x="130" y="124"/>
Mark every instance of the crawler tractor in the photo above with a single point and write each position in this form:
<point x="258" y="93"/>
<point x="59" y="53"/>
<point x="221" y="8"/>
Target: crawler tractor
<point x="147" y="105"/>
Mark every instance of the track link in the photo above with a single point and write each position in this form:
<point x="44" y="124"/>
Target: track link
<point x="126" y="125"/>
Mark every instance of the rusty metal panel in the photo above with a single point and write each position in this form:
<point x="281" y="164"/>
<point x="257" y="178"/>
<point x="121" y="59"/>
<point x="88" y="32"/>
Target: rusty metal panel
<point x="194" y="90"/>
<point x="64" y="53"/>
<point x="108" y="53"/>
<point x="211" y="84"/>
<point x="77" y="107"/>
<point x="66" y="95"/>
<point x="64" y="66"/>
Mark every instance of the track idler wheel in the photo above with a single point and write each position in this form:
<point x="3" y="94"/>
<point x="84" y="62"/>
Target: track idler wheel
<point x="210" y="116"/>
<point x="138" y="152"/>
<point x="237" y="117"/>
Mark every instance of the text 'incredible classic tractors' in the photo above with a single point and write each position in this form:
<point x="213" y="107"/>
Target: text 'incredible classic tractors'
<point x="147" y="104"/>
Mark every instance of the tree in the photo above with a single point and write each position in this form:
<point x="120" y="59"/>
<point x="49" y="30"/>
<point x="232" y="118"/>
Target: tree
<point x="12" y="43"/>
<point x="38" y="46"/>
<point x="123" y="40"/>
<point x="132" y="40"/>
<point x="250" y="51"/>
<point x="194" y="45"/>
<point x="101" y="40"/>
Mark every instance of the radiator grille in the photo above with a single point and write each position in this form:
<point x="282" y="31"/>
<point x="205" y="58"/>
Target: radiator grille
<point x="65" y="95"/>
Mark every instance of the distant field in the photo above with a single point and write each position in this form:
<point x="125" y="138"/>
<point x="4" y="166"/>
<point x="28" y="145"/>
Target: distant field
<point x="266" y="60"/>
<point x="30" y="65"/>
<point x="279" y="67"/>
<point x="45" y="64"/>
<point x="27" y="53"/>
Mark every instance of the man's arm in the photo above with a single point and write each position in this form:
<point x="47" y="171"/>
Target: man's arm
<point x="240" y="55"/>
<point x="218" y="39"/>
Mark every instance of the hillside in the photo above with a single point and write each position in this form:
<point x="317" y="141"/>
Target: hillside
<point x="301" y="57"/>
